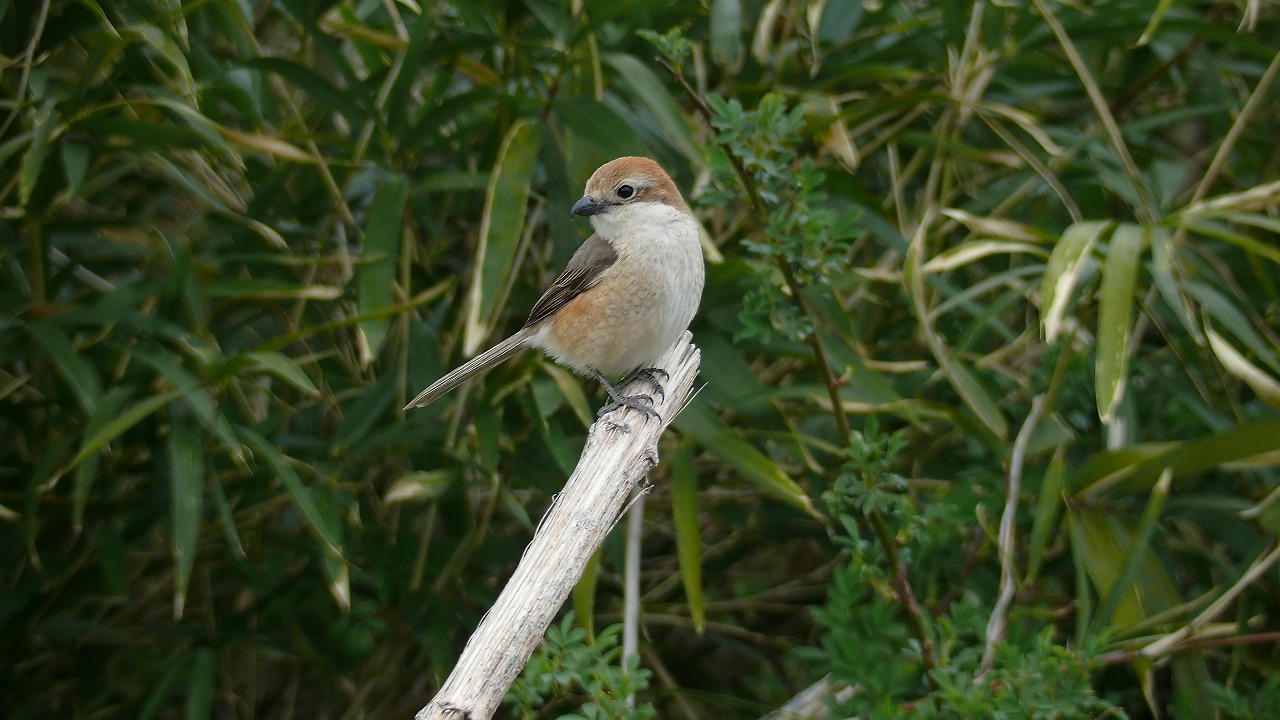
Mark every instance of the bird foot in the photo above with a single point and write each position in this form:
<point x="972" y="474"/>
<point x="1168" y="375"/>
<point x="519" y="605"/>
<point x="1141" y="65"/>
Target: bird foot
<point x="650" y="375"/>
<point x="642" y="404"/>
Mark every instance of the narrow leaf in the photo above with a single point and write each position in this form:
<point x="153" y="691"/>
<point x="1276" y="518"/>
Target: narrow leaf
<point x="1115" y="310"/>
<point x="975" y="395"/>
<point x="726" y="30"/>
<point x="684" y="510"/>
<point x="1135" y="553"/>
<point x="377" y="273"/>
<point x="711" y="433"/>
<point x="286" y="369"/>
<point x="281" y="468"/>
<point x="33" y="161"/>
<point x="1066" y="262"/>
<point x="1237" y="364"/>
<point x="186" y="494"/>
<point x="501" y="228"/>
<point x="73" y="366"/>
<point x="200" y="691"/>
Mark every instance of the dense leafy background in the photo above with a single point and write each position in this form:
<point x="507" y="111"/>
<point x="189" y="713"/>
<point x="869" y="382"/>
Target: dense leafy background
<point x="956" y="247"/>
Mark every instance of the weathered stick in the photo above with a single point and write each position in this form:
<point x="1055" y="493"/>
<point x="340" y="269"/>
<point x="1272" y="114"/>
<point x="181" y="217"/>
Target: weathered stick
<point x="621" y="449"/>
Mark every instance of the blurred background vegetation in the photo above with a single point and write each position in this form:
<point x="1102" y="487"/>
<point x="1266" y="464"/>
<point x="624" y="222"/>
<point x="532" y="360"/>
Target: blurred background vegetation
<point x="962" y="253"/>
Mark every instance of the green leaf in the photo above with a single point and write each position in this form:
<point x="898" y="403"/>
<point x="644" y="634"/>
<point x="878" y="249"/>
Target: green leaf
<point x="1115" y="309"/>
<point x="584" y="593"/>
<point x="726" y="30"/>
<point x="377" y="273"/>
<point x="653" y="96"/>
<point x="975" y="395"/>
<point x="99" y="439"/>
<point x="186" y="495"/>
<point x="1266" y="387"/>
<point x="501" y="231"/>
<point x="200" y="690"/>
<point x="107" y="410"/>
<point x="1167" y="272"/>
<point x="599" y="127"/>
<point x="1107" y="541"/>
<point x="684" y="510"/>
<point x="1136" y="553"/>
<point x="321" y="524"/>
<point x="710" y="432"/>
<point x="33" y="161"/>
<point x="323" y="92"/>
<point x="74" y="367"/>
<point x="1047" y="509"/>
<point x="284" y="368"/>
<point x="157" y="40"/>
<point x="196" y="397"/>
<point x="1227" y="315"/>
<point x="1136" y="467"/>
<point x="1066" y="263"/>
<point x="75" y="162"/>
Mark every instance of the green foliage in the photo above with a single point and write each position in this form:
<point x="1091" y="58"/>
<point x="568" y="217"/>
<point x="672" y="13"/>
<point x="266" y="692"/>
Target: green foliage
<point x="953" y="246"/>
<point x="569" y="668"/>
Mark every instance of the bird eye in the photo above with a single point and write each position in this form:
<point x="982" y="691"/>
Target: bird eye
<point x="626" y="191"/>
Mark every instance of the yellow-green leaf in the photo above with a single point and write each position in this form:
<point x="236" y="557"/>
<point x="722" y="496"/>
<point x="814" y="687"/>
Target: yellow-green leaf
<point x="684" y="510"/>
<point x="710" y="432"/>
<point x="377" y="273"/>
<point x="1115" y="310"/>
<point x="501" y="230"/>
<point x="1066" y="262"/>
<point x="186" y="499"/>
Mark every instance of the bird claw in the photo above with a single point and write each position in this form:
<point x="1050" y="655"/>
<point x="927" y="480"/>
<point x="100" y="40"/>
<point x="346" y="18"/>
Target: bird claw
<point x="650" y="375"/>
<point x="642" y="404"/>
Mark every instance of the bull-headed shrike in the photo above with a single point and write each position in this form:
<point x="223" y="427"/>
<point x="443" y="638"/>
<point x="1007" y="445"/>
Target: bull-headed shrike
<point x="628" y="292"/>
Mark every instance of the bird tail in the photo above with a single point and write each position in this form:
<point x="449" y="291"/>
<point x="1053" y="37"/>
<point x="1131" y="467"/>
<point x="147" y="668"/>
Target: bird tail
<point x="474" y="366"/>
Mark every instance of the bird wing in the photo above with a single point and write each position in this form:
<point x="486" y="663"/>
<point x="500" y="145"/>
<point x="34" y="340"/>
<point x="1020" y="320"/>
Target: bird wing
<point x="585" y="269"/>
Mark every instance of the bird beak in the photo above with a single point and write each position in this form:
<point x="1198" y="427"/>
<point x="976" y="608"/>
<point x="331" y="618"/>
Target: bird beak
<point x="587" y="206"/>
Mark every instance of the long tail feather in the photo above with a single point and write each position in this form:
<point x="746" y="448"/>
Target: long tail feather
<point x="472" y="367"/>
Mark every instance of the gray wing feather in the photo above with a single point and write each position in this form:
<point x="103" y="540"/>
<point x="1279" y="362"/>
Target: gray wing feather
<point x="585" y="269"/>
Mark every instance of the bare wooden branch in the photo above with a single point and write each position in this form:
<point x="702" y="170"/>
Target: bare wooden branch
<point x="621" y="449"/>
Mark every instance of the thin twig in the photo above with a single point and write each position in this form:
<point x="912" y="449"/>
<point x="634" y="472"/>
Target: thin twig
<point x="1008" y="583"/>
<point x="631" y="586"/>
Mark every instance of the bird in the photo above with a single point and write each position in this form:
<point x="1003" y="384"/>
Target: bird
<point x="628" y="293"/>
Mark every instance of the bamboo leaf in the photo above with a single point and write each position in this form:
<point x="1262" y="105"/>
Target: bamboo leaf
<point x="975" y="395"/>
<point x="684" y="509"/>
<point x="1066" y="263"/>
<point x="968" y="252"/>
<point x="1167" y="273"/>
<point x="710" y="432"/>
<point x="70" y="364"/>
<point x="501" y="229"/>
<point x="1115" y="309"/>
<point x="584" y="593"/>
<point x="1047" y="510"/>
<point x="201" y="688"/>
<point x="100" y="438"/>
<point x="653" y="96"/>
<point x="377" y="274"/>
<point x="321" y="524"/>
<point x="284" y="368"/>
<point x="33" y="161"/>
<point x="186" y="496"/>
<point x="1136" y="552"/>
<point x="1266" y="387"/>
<point x="726" y="30"/>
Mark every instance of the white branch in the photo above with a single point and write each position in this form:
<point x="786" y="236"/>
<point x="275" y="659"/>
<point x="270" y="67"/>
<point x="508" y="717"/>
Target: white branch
<point x="1008" y="583"/>
<point x="621" y="449"/>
